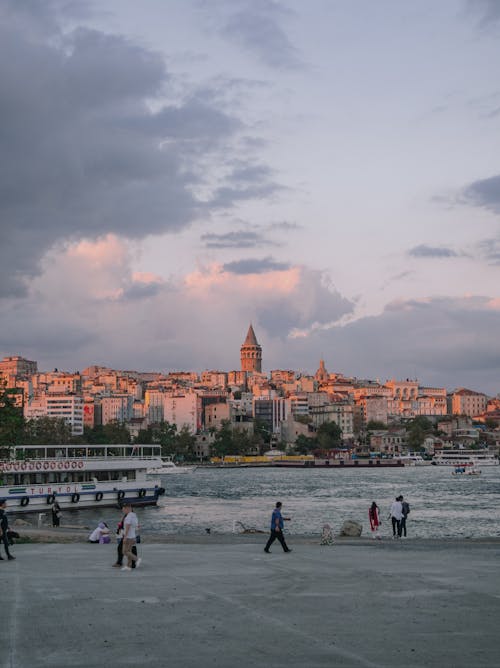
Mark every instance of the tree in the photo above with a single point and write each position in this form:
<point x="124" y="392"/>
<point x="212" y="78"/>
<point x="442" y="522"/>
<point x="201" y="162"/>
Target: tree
<point x="115" y="433"/>
<point x="145" y="436"/>
<point x="185" y="443"/>
<point x="11" y="419"/>
<point x="417" y="430"/>
<point x="304" y="445"/>
<point x="47" y="431"/>
<point x="329" y="435"/>
<point x="223" y="442"/>
<point x="165" y="434"/>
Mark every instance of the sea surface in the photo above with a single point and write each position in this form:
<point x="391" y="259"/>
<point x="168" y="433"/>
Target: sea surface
<point x="227" y="500"/>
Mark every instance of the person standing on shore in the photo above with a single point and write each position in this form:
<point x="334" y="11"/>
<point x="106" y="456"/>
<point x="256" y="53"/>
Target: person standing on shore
<point x="406" y="511"/>
<point x="375" y="521"/>
<point x="4" y="528"/>
<point x="277" y="523"/>
<point x="396" y="515"/>
<point x="130" y="526"/>
<point x="56" y="513"/>
<point x="119" y="547"/>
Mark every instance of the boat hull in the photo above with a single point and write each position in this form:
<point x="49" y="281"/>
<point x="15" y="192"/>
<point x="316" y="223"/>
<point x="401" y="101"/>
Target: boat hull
<point x="39" y="498"/>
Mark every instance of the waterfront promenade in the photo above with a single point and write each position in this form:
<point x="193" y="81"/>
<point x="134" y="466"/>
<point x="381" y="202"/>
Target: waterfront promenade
<point x="221" y="601"/>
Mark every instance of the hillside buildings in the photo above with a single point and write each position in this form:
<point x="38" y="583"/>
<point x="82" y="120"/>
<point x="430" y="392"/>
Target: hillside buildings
<point x="285" y="403"/>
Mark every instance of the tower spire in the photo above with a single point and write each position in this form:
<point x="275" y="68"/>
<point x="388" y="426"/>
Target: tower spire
<point x="251" y="353"/>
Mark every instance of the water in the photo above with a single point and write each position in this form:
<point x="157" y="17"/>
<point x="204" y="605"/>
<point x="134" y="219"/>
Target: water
<point x="441" y="504"/>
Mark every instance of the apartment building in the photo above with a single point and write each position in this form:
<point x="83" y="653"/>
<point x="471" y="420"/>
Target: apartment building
<point x="340" y="413"/>
<point x="17" y="367"/>
<point x="468" y="402"/>
<point x="117" y="408"/>
<point x="270" y="411"/>
<point x="183" y="410"/>
<point x="65" y="406"/>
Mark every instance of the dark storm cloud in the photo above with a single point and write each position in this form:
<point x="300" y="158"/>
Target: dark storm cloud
<point x="484" y="193"/>
<point x="258" y="26"/>
<point x="488" y="11"/>
<point x="255" y="266"/>
<point x="237" y="239"/>
<point x="425" y="251"/>
<point x="83" y="154"/>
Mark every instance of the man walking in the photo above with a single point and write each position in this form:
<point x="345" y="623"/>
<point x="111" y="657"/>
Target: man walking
<point x="130" y="525"/>
<point x="405" y="509"/>
<point x="4" y="528"/>
<point x="396" y="515"/>
<point x="277" y="522"/>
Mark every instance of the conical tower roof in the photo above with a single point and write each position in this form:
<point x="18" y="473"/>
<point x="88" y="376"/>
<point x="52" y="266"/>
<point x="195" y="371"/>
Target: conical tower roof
<point x="251" y="339"/>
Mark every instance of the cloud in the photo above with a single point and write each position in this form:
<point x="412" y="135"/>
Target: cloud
<point x="257" y="26"/>
<point x="490" y="250"/>
<point x="90" y="147"/>
<point x="488" y="11"/>
<point x="484" y="193"/>
<point x="425" y="251"/>
<point x="255" y="266"/>
<point x="245" y="181"/>
<point x="237" y="239"/>
<point x="90" y="306"/>
<point x="443" y="341"/>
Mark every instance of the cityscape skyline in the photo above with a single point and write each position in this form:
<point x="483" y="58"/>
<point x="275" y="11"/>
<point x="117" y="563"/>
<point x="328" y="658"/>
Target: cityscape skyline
<point x="329" y="172"/>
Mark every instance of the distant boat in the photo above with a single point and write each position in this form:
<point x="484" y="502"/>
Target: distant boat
<point x="167" y="466"/>
<point x="466" y="471"/>
<point x="414" y="460"/>
<point x="78" y="476"/>
<point x="462" y="457"/>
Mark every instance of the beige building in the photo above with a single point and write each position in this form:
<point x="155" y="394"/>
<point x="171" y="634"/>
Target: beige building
<point x="183" y="410"/>
<point x="468" y="402"/>
<point x="216" y="414"/>
<point x="17" y="367"/>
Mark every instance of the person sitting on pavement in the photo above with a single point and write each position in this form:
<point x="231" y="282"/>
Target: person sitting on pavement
<point x="100" y="533"/>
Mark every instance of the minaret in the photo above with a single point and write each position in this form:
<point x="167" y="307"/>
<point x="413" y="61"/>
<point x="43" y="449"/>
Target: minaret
<point x="321" y="374"/>
<point x="251" y="353"/>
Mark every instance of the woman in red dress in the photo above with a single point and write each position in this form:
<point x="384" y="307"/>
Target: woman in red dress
<point x="375" y="521"/>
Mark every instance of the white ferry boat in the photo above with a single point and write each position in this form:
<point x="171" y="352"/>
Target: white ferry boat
<point x="85" y="476"/>
<point x="462" y="457"/>
<point x="166" y="466"/>
<point x="412" y="459"/>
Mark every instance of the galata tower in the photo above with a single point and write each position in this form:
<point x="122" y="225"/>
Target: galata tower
<point x="251" y="353"/>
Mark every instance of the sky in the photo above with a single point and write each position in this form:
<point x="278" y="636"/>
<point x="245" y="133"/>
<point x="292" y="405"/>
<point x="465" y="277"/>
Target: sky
<point x="174" y="170"/>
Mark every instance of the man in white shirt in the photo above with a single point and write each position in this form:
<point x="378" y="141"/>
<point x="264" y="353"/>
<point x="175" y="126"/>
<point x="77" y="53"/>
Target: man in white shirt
<point x="130" y="527"/>
<point x="396" y="515"/>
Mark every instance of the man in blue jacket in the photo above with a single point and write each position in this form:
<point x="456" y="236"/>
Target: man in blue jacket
<point x="277" y="521"/>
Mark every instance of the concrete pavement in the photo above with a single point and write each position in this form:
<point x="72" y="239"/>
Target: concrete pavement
<point x="227" y="604"/>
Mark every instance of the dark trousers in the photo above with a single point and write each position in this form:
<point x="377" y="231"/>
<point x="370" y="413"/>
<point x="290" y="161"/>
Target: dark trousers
<point x="396" y="526"/>
<point x="276" y="535"/>
<point x="55" y="519"/>
<point x="5" y="541"/>
<point x="119" y="549"/>
<point x="403" y="526"/>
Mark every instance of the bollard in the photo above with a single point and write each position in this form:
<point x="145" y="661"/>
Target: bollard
<point x="40" y="519"/>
